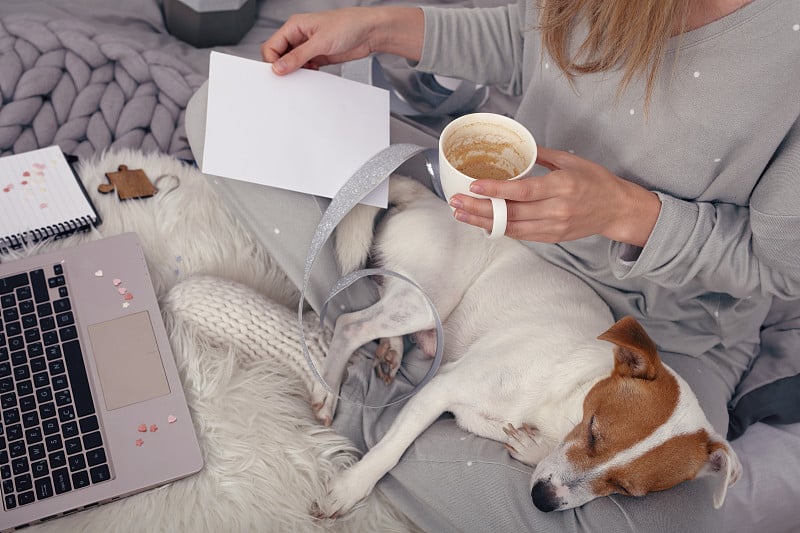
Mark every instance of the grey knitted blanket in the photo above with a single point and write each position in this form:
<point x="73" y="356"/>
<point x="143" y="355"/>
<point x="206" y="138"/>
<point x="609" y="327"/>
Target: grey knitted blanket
<point x="63" y="82"/>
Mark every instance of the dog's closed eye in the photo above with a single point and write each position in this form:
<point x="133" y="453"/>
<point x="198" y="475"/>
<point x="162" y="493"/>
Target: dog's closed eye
<point x="593" y="434"/>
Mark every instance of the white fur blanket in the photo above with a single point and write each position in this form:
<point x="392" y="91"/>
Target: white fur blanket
<point x="266" y="458"/>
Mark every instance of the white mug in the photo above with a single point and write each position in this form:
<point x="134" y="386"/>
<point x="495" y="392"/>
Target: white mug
<point x="484" y="145"/>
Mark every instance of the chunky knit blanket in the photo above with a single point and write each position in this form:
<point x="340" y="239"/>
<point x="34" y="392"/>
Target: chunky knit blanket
<point x="63" y="82"/>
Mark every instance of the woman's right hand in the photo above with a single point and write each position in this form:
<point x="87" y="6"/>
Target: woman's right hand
<point x="318" y="39"/>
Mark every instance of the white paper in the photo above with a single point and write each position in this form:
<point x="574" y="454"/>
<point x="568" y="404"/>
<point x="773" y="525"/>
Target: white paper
<point x="308" y="131"/>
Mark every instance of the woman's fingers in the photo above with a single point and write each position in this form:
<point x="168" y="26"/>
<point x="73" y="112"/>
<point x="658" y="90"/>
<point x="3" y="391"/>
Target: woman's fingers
<point x="556" y="159"/>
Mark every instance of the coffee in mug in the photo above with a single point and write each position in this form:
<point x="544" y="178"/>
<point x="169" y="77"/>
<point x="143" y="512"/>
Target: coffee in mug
<point x="484" y="146"/>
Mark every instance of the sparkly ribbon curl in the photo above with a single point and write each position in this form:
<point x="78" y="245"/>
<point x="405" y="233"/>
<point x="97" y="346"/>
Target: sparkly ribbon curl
<point x="364" y="181"/>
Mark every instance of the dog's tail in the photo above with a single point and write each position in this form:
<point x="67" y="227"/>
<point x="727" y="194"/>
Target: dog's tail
<point x="354" y="234"/>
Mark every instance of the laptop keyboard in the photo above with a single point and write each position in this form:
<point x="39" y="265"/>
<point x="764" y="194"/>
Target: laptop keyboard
<point x="50" y="440"/>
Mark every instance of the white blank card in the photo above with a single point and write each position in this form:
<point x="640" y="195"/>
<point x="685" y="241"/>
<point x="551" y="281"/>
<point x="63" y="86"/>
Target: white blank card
<point x="308" y="131"/>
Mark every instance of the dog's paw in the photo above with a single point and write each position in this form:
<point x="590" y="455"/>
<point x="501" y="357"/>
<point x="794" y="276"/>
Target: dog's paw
<point x="426" y="341"/>
<point x="344" y="493"/>
<point x="388" y="356"/>
<point x="323" y="403"/>
<point x="523" y="445"/>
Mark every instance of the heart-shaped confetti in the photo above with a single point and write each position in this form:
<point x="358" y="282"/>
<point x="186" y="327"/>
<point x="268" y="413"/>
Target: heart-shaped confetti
<point x="26" y="174"/>
<point x="126" y="305"/>
<point x="128" y="296"/>
<point x="153" y="428"/>
<point x="40" y="166"/>
<point x="122" y="290"/>
<point x="99" y="273"/>
<point x="142" y="428"/>
<point x="171" y="419"/>
<point x="139" y="443"/>
<point x="116" y="282"/>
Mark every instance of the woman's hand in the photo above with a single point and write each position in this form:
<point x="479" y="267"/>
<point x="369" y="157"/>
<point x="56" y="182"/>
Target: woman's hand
<point x="577" y="198"/>
<point x="318" y="39"/>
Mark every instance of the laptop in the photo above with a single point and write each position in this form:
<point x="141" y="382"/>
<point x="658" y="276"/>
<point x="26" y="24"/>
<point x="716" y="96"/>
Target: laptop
<point x="91" y="404"/>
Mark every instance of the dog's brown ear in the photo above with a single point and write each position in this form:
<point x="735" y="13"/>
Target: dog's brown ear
<point x="635" y="354"/>
<point x="724" y="464"/>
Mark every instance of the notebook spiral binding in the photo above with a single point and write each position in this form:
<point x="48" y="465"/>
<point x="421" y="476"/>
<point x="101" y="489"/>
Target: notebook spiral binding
<point x="55" y="231"/>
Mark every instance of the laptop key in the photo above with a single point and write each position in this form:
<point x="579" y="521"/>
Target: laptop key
<point x="76" y="370"/>
<point x="100" y="473"/>
<point x="23" y="482"/>
<point x="57" y="460"/>
<point x="9" y="283"/>
<point x="50" y="427"/>
<point x="80" y="479"/>
<point x="76" y="462"/>
<point x="89" y="424"/>
<point x="44" y="488"/>
<point x="26" y="497"/>
<point x="39" y="285"/>
<point x="39" y="469"/>
<point x="96" y="457"/>
<point x="61" y="481"/>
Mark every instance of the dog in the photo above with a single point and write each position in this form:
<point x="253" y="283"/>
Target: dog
<point x="532" y="359"/>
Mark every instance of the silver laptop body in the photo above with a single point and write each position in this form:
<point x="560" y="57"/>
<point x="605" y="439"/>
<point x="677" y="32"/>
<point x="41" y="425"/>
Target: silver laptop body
<point x="91" y="404"/>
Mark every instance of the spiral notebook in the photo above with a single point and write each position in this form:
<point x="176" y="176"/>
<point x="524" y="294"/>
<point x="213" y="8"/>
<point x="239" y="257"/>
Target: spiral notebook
<point x="41" y="196"/>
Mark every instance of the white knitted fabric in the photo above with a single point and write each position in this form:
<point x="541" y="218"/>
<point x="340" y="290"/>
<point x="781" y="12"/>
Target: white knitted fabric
<point x="231" y="314"/>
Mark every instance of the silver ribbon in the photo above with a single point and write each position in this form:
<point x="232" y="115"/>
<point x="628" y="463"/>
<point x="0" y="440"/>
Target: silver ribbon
<point x="364" y="181"/>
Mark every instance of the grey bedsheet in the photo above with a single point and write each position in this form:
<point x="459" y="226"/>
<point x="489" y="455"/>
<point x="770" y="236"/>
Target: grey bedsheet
<point x="765" y="498"/>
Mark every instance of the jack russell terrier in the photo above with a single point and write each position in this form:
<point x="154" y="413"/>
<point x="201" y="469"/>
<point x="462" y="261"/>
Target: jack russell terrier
<point x="523" y="364"/>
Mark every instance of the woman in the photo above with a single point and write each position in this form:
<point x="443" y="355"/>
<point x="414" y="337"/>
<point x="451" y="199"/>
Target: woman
<point x="675" y="173"/>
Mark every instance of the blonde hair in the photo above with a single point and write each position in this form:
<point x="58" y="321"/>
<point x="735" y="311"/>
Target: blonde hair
<point x="626" y="34"/>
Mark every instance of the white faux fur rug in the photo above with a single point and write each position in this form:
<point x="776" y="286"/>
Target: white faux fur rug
<point x="265" y="456"/>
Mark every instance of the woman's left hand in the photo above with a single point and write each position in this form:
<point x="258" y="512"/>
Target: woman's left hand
<point x="577" y="198"/>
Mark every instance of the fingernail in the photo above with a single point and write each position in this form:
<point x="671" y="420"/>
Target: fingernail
<point x="477" y="189"/>
<point x="455" y="203"/>
<point x="461" y="216"/>
<point x="279" y="66"/>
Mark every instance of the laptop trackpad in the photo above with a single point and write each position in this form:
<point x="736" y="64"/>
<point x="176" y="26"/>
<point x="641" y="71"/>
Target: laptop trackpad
<point x="128" y="361"/>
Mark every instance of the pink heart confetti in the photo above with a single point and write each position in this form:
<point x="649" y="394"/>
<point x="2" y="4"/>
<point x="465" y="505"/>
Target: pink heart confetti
<point x="128" y="296"/>
<point x="171" y="419"/>
<point x="139" y="443"/>
<point x="116" y="282"/>
<point x="40" y="166"/>
<point x="23" y="182"/>
<point x="122" y="290"/>
<point x="26" y="174"/>
<point x="142" y="428"/>
<point x="153" y="428"/>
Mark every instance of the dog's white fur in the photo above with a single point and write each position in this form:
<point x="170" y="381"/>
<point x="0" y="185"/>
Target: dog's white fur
<point x="521" y="355"/>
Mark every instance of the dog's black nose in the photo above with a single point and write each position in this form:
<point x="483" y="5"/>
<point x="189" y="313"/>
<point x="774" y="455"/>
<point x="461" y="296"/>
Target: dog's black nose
<point x="544" y="496"/>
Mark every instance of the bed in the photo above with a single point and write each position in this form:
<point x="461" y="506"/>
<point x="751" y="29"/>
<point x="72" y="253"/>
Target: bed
<point x="106" y="81"/>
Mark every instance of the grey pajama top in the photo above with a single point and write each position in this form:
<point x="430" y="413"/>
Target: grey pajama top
<point x="720" y="146"/>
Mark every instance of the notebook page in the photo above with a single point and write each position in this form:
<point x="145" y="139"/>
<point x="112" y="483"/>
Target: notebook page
<point x="37" y="190"/>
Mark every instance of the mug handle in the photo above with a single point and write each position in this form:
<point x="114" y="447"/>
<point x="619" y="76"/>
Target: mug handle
<point x="499" y="218"/>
